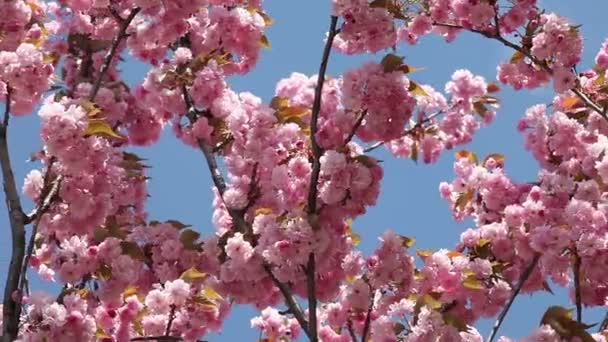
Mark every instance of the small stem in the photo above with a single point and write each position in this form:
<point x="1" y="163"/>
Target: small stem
<point x="158" y="338"/>
<point x="314" y="118"/>
<point x="577" y="286"/>
<point x="522" y="279"/>
<point x="317" y="151"/>
<point x="311" y="277"/>
<point x="407" y="132"/>
<point x="238" y="215"/>
<point x="122" y="34"/>
<point x="356" y="126"/>
<point x="170" y="323"/>
<point x="291" y="303"/>
<point x="368" y="317"/>
<point x="542" y="64"/>
<point x="45" y="203"/>
<point x="349" y="326"/>
<point x="604" y="323"/>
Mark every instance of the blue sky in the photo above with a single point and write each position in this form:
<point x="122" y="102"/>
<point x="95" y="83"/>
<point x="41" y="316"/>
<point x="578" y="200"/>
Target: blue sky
<point x="409" y="202"/>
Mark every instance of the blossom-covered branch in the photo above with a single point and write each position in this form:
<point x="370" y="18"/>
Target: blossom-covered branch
<point x="11" y="312"/>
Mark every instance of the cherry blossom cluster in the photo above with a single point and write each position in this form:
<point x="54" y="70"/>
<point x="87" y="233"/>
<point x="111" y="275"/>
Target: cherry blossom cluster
<point x="297" y="173"/>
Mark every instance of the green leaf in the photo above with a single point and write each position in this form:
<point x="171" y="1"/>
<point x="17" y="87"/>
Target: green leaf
<point x="133" y="250"/>
<point x="391" y="62"/>
<point x="392" y="6"/>
<point x="366" y="160"/>
<point x="455" y="321"/>
<point x="414" y="153"/>
<point x="100" y="127"/>
<point x="560" y="319"/>
<point x="471" y="156"/>
<point x="480" y="108"/>
<point x="471" y="282"/>
<point x="177" y="224"/>
<point x="188" y="238"/>
<point x="416" y="90"/>
<point x="192" y="274"/>
<point x="354" y="237"/>
<point x="499" y="158"/>
<point x="407" y="242"/>
<point x="265" y="42"/>
<point x="464" y="198"/>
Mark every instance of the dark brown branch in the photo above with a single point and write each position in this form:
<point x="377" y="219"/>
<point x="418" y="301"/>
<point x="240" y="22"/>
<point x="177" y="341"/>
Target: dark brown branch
<point x="407" y="132"/>
<point x="351" y="332"/>
<point x="311" y="278"/>
<point x="45" y="203"/>
<point x="238" y="216"/>
<point x="290" y="301"/>
<point x="604" y="324"/>
<point x="576" y="269"/>
<point x="542" y="64"/>
<point x="170" y="323"/>
<point x="368" y="317"/>
<point x="356" y="126"/>
<point x="11" y="309"/>
<point x="158" y="338"/>
<point x="522" y="279"/>
<point x="317" y="151"/>
<point x="122" y="34"/>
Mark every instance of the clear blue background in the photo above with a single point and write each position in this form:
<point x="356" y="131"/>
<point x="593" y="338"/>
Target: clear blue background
<point x="409" y="202"/>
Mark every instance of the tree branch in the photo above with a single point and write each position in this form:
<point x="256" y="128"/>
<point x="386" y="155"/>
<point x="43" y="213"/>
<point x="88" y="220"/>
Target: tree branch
<point x="522" y="279"/>
<point x="351" y="332"/>
<point x="576" y="269"/>
<point x="122" y="34"/>
<point x="290" y="301"/>
<point x="45" y="203"/>
<point x="238" y="216"/>
<point x="542" y="64"/>
<point x="170" y="323"/>
<point x="356" y="126"/>
<point x="11" y="309"/>
<point x="368" y="317"/>
<point x="407" y="132"/>
<point x="311" y="277"/>
<point x="317" y="152"/>
<point x="604" y="324"/>
<point x="158" y="338"/>
<point x="314" y="118"/>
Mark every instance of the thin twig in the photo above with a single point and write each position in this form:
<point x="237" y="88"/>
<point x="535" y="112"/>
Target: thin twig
<point x="351" y="331"/>
<point x="368" y="317"/>
<point x="604" y="323"/>
<point x="407" y="132"/>
<point x="356" y="126"/>
<point x="45" y="203"/>
<point x="290" y="301"/>
<point x="122" y="34"/>
<point x="522" y="279"/>
<point x="542" y="64"/>
<point x="158" y="338"/>
<point x="238" y="215"/>
<point x="317" y="151"/>
<point x="311" y="278"/>
<point x="11" y="309"/>
<point x="576" y="269"/>
<point x="314" y="118"/>
<point x="170" y="323"/>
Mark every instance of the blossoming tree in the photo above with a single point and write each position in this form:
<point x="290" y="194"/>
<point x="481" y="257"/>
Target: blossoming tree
<point x="297" y="172"/>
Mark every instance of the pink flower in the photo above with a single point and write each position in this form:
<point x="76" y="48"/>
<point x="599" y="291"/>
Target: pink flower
<point x="177" y="291"/>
